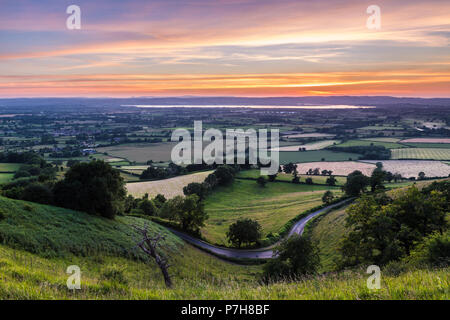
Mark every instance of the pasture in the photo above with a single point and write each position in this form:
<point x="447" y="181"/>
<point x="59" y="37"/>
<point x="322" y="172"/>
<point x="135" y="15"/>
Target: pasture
<point x="316" y="155"/>
<point x="310" y="146"/>
<point x="168" y="187"/>
<point x="141" y="152"/>
<point x="353" y="143"/>
<point x="272" y="206"/>
<point x="254" y="174"/>
<point x="421" y="153"/>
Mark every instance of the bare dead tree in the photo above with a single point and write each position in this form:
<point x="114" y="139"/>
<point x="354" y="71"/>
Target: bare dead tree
<point x="150" y="246"/>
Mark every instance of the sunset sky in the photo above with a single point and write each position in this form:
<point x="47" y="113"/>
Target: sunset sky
<point x="224" y="48"/>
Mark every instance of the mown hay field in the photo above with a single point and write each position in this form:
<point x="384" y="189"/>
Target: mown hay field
<point x="168" y="187"/>
<point x="411" y="168"/>
<point x="340" y="168"/>
<point x="421" y="153"/>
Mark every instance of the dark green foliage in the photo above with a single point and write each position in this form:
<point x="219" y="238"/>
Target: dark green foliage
<point x="296" y="256"/>
<point x="289" y="168"/>
<point x="158" y="173"/>
<point x="187" y="211"/>
<point x="272" y="177"/>
<point x="225" y="175"/>
<point x="159" y="200"/>
<point x="37" y="192"/>
<point x="433" y="250"/>
<point x="356" y="183"/>
<point x="94" y="187"/>
<point x="309" y="181"/>
<point x="331" y="181"/>
<point x="376" y="179"/>
<point x="244" y="231"/>
<point x="384" y="230"/>
<point x="261" y="181"/>
<point x="200" y="189"/>
<point x="328" y="197"/>
<point x="148" y="207"/>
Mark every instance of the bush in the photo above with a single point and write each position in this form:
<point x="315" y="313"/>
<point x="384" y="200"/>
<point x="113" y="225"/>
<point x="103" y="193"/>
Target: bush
<point x="37" y="192"/>
<point x="296" y="256"/>
<point x="433" y="250"/>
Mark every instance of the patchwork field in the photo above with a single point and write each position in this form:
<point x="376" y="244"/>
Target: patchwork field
<point x="310" y="146"/>
<point x="272" y="206"/>
<point x="426" y="140"/>
<point x="254" y="174"/>
<point x="388" y="145"/>
<point x="316" y="155"/>
<point x="411" y="168"/>
<point x="341" y="168"/>
<point x="308" y="135"/>
<point x="168" y="187"/>
<point x="141" y="152"/>
<point x="421" y="153"/>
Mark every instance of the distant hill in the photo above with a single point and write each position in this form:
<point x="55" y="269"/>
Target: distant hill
<point x="62" y="104"/>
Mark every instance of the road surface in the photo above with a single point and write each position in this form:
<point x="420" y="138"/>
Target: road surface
<point x="261" y="253"/>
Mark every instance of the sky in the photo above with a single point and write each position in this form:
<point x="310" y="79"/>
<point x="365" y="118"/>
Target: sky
<point x="224" y="48"/>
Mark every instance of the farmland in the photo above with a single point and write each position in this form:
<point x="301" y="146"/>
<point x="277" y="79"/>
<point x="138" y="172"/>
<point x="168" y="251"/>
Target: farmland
<point x="341" y="168"/>
<point x="421" y="153"/>
<point x="411" y="168"/>
<point x="427" y="140"/>
<point x="141" y="152"/>
<point x="168" y="187"/>
<point x="272" y="206"/>
<point x="317" y="179"/>
<point x="388" y="145"/>
<point x="310" y="146"/>
<point x="315" y="155"/>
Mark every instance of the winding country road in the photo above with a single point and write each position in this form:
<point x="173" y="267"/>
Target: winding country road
<point x="261" y="253"/>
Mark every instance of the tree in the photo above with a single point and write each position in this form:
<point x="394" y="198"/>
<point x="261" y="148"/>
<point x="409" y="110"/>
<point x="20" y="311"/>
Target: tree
<point x="331" y="181"/>
<point x="200" y="189"/>
<point x="159" y="200"/>
<point x="421" y="175"/>
<point x="261" y="181"/>
<point x="225" y="175"/>
<point x="289" y="168"/>
<point x="309" y="181"/>
<point x="327" y="197"/>
<point x="94" y="187"/>
<point x="37" y="192"/>
<point x="152" y="247"/>
<point x="188" y="211"/>
<point x="148" y="207"/>
<point x="383" y="231"/>
<point x="244" y="231"/>
<point x="356" y="183"/>
<point x="376" y="179"/>
<point x="294" y="257"/>
<point x="272" y="177"/>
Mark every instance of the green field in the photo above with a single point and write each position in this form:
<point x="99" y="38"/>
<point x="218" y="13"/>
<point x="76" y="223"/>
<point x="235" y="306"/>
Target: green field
<point x="272" y="206"/>
<point x="6" y="177"/>
<point x="421" y="153"/>
<point x="316" y="155"/>
<point x="384" y="127"/>
<point x="353" y="143"/>
<point x="141" y="152"/>
<point x="9" y="167"/>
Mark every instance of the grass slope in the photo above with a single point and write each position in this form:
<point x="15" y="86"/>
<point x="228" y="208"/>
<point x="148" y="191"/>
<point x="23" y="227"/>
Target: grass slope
<point x="197" y="275"/>
<point x="52" y="231"/>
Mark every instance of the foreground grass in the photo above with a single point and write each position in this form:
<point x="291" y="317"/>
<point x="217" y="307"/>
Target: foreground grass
<point x="196" y="275"/>
<point x="272" y="206"/>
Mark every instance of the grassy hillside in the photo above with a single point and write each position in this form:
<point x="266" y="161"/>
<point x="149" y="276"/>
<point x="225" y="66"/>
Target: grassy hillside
<point x="196" y="276"/>
<point x="272" y="206"/>
<point x="327" y="231"/>
<point x="52" y="231"/>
